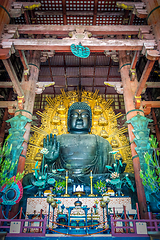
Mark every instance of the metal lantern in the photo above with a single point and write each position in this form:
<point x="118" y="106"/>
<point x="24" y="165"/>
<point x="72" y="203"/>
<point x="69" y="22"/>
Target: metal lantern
<point x="106" y="198"/>
<point x="54" y="203"/>
<point x="102" y="204"/>
<point x="50" y="199"/>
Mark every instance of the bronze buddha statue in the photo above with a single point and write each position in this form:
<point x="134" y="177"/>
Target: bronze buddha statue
<point x="78" y="152"/>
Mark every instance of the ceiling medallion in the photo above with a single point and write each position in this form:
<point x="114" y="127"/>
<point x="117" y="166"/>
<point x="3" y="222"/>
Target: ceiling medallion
<point x="80" y="51"/>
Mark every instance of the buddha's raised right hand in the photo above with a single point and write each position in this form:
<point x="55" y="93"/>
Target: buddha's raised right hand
<point x="52" y="146"/>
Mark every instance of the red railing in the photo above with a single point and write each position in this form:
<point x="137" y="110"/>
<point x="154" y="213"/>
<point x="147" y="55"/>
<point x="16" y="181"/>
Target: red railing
<point x="129" y="228"/>
<point x="25" y="230"/>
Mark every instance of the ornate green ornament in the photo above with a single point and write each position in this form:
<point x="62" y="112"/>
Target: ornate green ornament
<point x="16" y="131"/>
<point x="141" y="132"/>
<point x="80" y="51"/>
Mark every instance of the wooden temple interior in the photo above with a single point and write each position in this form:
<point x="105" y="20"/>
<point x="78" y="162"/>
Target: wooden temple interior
<point x="37" y="64"/>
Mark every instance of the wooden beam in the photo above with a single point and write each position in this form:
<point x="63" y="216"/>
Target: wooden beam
<point x="11" y="72"/>
<point x="6" y="84"/>
<point x="6" y="104"/>
<point x="64" y="44"/>
<point x="144" y="77"/>
<point x="152" y="84"/>
<point x="61" y="30"/>
<point x="152" y="104"/>
<point x="79" y="13"/>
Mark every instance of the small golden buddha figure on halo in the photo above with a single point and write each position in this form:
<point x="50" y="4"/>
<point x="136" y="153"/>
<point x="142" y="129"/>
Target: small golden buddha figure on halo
<point x="114" y="143"/>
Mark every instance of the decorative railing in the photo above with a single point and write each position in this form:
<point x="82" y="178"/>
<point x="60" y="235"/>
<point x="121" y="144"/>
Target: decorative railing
<point x="129" y="227"/>
<point x="24" y="227"/>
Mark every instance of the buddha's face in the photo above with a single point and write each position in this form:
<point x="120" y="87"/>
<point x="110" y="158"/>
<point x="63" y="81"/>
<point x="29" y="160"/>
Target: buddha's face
<point x="79" y="121"/>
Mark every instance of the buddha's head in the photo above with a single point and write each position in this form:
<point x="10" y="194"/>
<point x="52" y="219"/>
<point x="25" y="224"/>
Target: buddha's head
<point x="79" y="118"/>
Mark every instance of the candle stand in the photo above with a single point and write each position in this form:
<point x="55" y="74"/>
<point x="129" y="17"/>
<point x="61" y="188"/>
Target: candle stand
<point x="66" y="193"/>
<point x="91" y="179"/>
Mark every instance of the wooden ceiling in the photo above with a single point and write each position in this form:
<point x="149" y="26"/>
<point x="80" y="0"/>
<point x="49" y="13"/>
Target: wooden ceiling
<point x="63" y="68"/>
<point x="66" y="70"/>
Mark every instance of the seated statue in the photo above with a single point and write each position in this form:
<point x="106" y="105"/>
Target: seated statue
<point x="78" y="152"/>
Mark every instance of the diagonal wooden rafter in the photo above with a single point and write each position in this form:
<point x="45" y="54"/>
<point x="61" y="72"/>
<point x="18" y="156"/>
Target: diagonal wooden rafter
<point x="144" y="77"/>
<point x="25" y="64"/>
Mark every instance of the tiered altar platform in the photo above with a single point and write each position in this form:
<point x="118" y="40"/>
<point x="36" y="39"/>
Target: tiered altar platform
<point x="79" y="224"/>
<point x="34" y="205"/>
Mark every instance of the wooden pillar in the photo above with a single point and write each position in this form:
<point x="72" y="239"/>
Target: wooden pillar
<point x="29" y="88"/>
<point x="124" y="65"/>
<point x="155" y="120"/>
<point x="4" y="13"/>
<point x="5" y="117"/>
<point x="153" y="18"/>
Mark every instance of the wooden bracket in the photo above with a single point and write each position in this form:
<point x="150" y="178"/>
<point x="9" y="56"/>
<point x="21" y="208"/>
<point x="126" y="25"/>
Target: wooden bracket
<point x="18" y="8"/>
<point x="133" y="74"/>
<point x="152" y="55"/>
<point x="147" y="109"/>
<point x="20" y="102"/>
<point x="137" y="102"/>
<point x="138" y="8"/>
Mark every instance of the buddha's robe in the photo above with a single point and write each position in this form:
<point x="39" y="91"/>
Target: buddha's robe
<point x="81" y="153"/>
